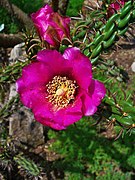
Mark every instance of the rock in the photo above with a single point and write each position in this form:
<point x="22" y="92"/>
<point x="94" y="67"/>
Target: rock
<point x="133" y="66"/>
<point x="24" y="129"/>
<point x="13" y="92"/>
<point x="2" y="26"/>
<point x="22" y="125"/>
<point x="17" y="52"/>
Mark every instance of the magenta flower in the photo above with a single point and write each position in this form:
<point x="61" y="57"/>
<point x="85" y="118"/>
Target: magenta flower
<point x="115" y="7"/>
<point x="59" y="88"/>
<point x="51" y="26"/>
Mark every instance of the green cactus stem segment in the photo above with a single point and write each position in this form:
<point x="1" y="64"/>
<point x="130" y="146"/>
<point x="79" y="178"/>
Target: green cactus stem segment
<point x="108" y="34"/>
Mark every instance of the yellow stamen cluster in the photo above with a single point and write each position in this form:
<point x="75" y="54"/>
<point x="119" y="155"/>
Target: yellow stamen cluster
<point x="61" y="91"/>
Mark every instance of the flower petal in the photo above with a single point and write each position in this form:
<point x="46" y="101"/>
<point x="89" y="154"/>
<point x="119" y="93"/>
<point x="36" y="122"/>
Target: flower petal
<point x="61" y="24"/>
<point x="42" y="113"/>
<point x="97" y="91"/>
<point x="88" y="107"/>
<point x="45" y="113"/>
<point x="27" y="94"/>
<point x="82" y="68"/>
<point x="51" y="26"/>
<point x="115" y="7"/>
<point x="93" y="98"/>
<point x="40" y="16"/>
<point x="52" y="36"/>
<point x="54" y="60"/>
<point x="33" y="90"/>
<point x="74" y="55"/>
<point x="36" y="73"/>
<point x="70" y="114"/>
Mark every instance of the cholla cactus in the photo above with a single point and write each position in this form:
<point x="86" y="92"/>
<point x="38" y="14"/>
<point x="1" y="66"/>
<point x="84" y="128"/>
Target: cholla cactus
<point x="109" y="33"/>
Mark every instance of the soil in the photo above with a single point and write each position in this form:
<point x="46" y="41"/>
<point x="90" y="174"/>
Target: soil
<point x="125" y="55"/>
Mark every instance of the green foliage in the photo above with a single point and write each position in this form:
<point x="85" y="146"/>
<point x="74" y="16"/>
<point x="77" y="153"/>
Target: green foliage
<point x="10" y="24"/>
<point x="116" y="26"/>
<point x="28" y="6"/>
<point x="9" y="74"/>
<point x="117" y="106"/>
<point x="131" y="160"/>
<point x="27" y="165"/>
<point x="88" y="155"/>
<point x="10" y="158"/>
<point x="74" y="7"/>
<point x="8" y="109"/>
<point x="85" y="152"/>
<point x="101" y="33"/>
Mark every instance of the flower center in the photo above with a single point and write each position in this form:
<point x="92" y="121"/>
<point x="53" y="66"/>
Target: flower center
<point x="61" y="91"/>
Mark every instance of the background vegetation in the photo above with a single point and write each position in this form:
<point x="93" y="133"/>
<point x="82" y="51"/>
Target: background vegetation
<point x="13" y="26"/>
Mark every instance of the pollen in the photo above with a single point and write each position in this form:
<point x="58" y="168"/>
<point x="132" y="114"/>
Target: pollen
<point x="61" y="91"/>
